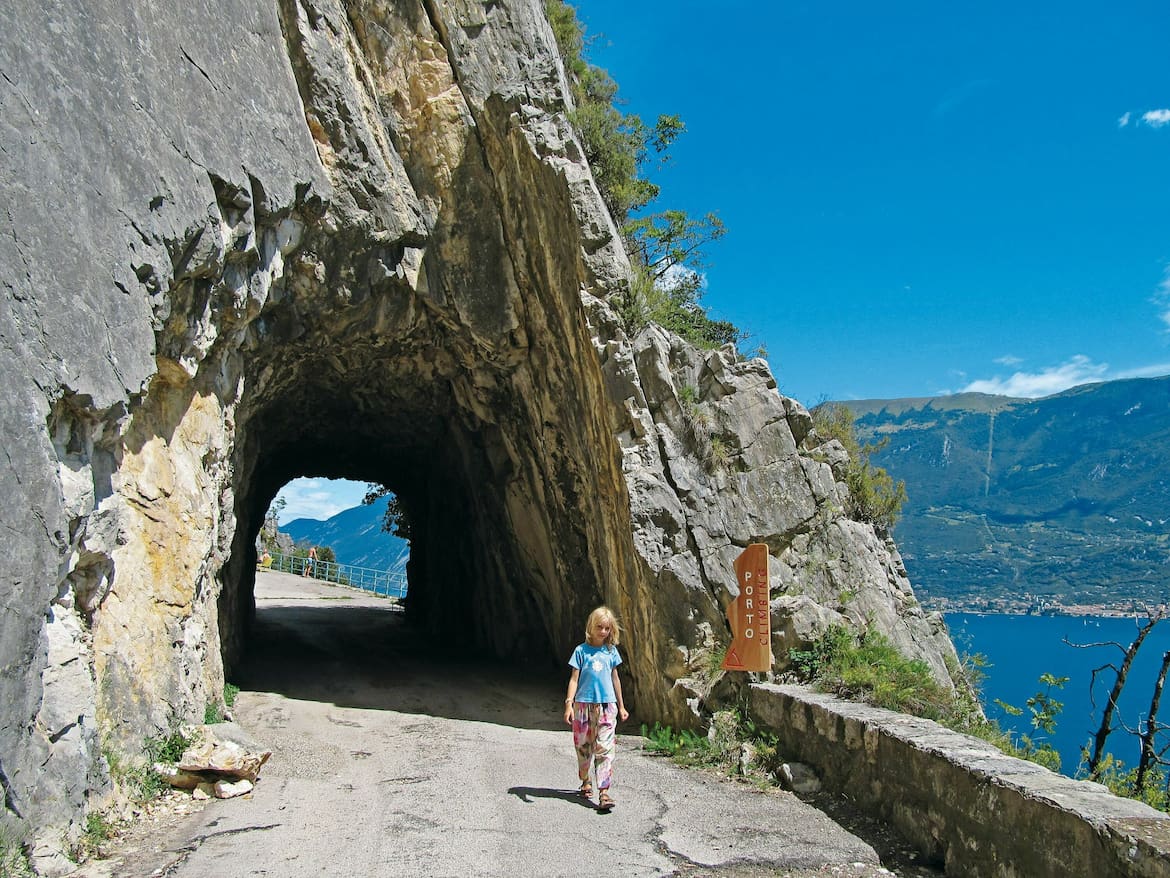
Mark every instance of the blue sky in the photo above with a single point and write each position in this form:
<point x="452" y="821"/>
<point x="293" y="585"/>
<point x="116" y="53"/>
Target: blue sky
<point x="318" y="498"/>
<point x="921" y="197"/>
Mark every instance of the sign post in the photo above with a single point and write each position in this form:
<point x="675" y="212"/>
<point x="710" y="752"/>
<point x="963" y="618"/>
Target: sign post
<point x="751" y="631"/>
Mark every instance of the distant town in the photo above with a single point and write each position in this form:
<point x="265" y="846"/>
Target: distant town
<point x="1032" y="605"/>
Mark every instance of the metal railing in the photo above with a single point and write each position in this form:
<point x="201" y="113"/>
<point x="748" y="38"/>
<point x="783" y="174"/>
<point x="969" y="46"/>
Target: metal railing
<point x="382" y="582"/>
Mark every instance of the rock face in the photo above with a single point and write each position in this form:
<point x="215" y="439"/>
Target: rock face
<point x="352" y="239"/>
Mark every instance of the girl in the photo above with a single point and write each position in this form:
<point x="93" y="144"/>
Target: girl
<point x="594" y="703"/>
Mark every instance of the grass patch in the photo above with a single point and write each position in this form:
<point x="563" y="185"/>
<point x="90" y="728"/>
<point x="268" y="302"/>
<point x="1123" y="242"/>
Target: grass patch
<point x="137" y="777"/>
<point x="733" y="746"/>
<point x="871" y="669"/>
<point x="97" y="831"/>
<point x="216" y="711"/>
<point x="168" y="747"/>
<point x="13" y="860"/>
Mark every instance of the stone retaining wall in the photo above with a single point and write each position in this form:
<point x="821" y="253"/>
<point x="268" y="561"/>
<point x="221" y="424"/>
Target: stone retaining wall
<point x="959" y="799"/>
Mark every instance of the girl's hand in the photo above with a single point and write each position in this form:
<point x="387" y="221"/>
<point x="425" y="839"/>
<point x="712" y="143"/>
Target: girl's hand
<point x="623" y="713"/>
<point x="569" y="714"/>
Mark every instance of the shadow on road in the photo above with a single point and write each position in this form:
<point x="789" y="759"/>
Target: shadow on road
<point x="366" y="656"/>
<point x="527" y="794"/>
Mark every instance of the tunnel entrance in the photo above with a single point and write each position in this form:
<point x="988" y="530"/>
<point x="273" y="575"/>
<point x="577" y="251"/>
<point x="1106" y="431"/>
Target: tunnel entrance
<point x="501" y="561"/>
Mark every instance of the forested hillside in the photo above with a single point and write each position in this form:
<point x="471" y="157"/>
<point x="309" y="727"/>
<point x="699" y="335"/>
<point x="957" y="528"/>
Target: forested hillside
<point x="356" y="536"/>
<point x="1061" y="500"/>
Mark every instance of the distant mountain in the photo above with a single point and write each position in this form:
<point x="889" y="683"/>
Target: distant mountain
<point x="356" y="537"/>
<point x="1064" y="499"/>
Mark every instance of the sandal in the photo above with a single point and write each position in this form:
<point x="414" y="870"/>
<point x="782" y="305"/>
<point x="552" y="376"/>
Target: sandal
<point x="605" y="803"/>
<point x="586" y="789"/>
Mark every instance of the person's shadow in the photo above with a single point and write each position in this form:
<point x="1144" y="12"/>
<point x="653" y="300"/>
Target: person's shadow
<point x="527" y="794"/>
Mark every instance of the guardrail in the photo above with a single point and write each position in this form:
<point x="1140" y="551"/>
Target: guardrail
<point x="381" y="582"/>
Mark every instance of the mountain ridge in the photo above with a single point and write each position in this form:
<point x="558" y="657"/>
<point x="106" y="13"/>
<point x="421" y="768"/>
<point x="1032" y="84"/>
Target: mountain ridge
<point x="356" y="537"/>
<point x="1061" y="501"/>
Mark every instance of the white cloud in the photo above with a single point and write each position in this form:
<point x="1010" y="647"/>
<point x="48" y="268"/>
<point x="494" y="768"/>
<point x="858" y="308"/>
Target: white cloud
<point x="678" y="274"/>
<point x="1123" y="121"/>
<point x="1154" y="371"/>
<point x="319" y="498"/>
<point x="1077" y="370"/>
<point x="1162" y="297"/>
<point x="1156" y="118"/>
<point x="1007" y="360"/>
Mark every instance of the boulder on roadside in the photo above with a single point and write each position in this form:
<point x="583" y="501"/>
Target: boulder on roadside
<point x="223" y="761"/>
<point x="222" y="756"/>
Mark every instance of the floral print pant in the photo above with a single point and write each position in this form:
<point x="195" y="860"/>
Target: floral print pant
<point x="593" y="739"/>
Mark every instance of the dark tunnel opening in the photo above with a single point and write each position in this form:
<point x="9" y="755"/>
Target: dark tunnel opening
<point x="474" y="586"/>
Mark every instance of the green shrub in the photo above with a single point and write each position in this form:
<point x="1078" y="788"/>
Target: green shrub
<point x="874" y="496"/>
<point x="97" y="831"/>
<point x="869" y="668"/>
<point x="813" y="664"/>
<point x="230" y="692"/>
<point x="1123" y="782"/>
<point x="13" y="860"/>
<point x="721" y="748"/>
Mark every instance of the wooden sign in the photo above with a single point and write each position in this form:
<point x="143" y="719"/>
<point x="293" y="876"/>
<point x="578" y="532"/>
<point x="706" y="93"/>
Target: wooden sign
<point x="751" y="630"/>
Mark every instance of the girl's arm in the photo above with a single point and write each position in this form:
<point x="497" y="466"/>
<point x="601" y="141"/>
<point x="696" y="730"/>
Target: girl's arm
<point x="617" y="688"/>
<point x="572" y="691"/>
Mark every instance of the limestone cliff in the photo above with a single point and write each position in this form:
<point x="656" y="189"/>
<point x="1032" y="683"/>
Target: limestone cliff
<point x="351" y="239"/>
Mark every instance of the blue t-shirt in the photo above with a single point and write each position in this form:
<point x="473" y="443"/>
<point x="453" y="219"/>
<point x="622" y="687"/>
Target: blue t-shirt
<point x="595" y="680"/>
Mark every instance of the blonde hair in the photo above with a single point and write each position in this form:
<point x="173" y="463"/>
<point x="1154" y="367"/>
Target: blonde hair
<point x="604" y="614"/>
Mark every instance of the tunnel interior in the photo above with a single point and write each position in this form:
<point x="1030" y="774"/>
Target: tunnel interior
<point x="397" y="414"/>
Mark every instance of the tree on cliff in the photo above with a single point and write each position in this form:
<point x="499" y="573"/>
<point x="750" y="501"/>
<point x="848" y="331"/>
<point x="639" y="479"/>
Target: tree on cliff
<point x="665" y="247"/>
<point x="395" y="520"/>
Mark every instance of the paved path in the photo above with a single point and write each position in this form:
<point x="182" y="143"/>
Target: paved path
<point x="388" y="765"/>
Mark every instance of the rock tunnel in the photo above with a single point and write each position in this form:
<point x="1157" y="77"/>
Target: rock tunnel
<point x="502" y="556"/>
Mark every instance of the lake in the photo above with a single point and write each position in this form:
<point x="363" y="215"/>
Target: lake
<point x="1021" y="648"/>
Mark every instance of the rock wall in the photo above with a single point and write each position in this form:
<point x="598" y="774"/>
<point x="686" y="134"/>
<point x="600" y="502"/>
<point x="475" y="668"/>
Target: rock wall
<point x="353" y="239"/>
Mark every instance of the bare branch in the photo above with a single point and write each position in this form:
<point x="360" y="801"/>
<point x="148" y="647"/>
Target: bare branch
<point x="1068" y="642"/>
<point x="1147" y="758"/>
<point x="1106" y="726"/>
